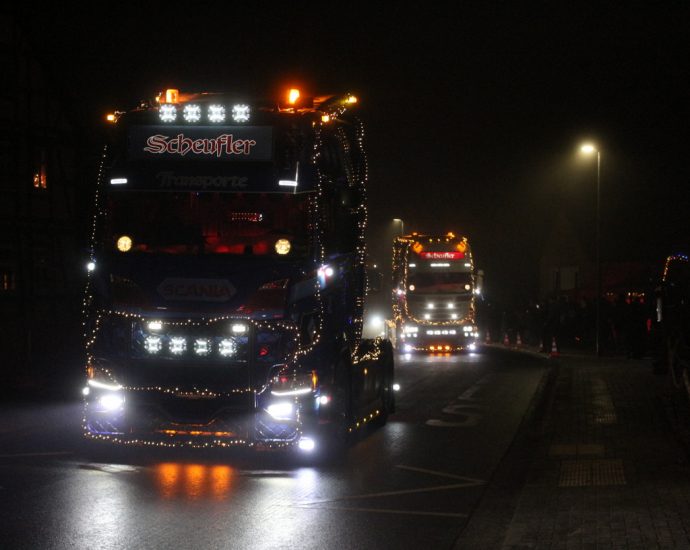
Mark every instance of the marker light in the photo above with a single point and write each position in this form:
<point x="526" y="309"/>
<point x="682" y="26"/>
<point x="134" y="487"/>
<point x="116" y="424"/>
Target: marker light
<point x="240" y="113"/>
<point x="118" y="181"/>
<point x="325" y="118"/>
<point x="90" y="266"/>
<point x="293" y="96"/>
<point x="412" y="287"/>
<point x="167" y="113"/>
<point x="472" y="347"/>
<point x="178" y="345"/>
<point x="172" y="95"/>
<point x="191" y="113"/>
<point x="216" y="113"/>
<point x="124" y="243"/>
<point x="282" y="246"/>
<point x="351" y="99"/>
<point x="110" y="117"/>
<point x="280" y="411"/>
<point x="227" y="347"/>
<point x="306" y="444"/>
<point x="155" y="325"/>
<point x="153" y="344"/>
<point x="408" y="348"/>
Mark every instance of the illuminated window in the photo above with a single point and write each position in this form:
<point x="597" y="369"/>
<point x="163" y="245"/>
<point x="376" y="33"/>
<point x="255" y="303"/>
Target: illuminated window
<point x="40" y="179"/>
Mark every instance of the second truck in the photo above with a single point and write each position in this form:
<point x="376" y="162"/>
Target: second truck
<point x="434" y="289"/>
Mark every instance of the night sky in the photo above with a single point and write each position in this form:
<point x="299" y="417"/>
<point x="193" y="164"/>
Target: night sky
<point x="474" y="114"/>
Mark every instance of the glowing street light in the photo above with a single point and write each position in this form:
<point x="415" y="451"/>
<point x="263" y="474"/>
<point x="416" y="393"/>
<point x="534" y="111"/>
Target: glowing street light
<point x="590" y="149"/>
<point x="402" y="226"/>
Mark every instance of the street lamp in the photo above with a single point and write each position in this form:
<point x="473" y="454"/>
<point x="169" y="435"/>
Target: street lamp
<point x="589" y="149"/>
<point x="402" y="226"/>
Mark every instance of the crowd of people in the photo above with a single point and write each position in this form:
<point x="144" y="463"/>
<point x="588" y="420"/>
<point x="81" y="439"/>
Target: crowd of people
<point x="626" y="324"/>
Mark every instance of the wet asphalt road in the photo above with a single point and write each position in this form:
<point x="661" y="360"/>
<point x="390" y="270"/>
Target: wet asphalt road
<point x="411" y="484"/>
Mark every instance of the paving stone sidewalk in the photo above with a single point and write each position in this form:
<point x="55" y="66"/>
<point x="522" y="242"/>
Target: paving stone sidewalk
<point x="603" y="465"/>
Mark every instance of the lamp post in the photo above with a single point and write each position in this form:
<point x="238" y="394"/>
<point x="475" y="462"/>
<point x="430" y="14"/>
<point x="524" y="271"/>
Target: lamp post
<point x="402" y="226"/>
<point x="589" y="149"/>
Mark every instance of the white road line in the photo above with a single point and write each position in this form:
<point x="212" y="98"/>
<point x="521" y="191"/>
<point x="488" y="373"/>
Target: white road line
<point x="441" y="474"/>
<point x="394" y="493"/>
<point x="19" y="455"/>
<point x="386" y="511"/>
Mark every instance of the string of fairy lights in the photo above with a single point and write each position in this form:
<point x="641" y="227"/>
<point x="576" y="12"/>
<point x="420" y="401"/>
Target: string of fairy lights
<point x="94" y="316"/>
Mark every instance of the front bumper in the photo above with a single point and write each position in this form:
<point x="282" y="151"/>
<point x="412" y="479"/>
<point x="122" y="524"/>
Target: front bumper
<point x="167" y="419"/>
<point x="438" y="343"/>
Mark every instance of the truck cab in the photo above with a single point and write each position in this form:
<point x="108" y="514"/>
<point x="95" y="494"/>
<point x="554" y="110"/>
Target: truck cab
<point x="227" y="283"/>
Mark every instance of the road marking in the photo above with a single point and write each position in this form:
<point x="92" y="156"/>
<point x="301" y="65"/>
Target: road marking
<point x="387" y="511"/>
<point x="460" y="409"/>
<point x="22" y="455"/>
<point x="467" y="482"/>
<point x="441" y="474"/>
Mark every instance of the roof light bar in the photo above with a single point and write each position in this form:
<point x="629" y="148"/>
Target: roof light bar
<point x="240" y="113"/>
<point x="191" y="113"/>
<point x="216" y="113"/>
<point x="167" y="112"/>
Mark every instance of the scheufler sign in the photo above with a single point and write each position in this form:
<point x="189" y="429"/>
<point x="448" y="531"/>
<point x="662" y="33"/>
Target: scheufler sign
<point x="234" y="143"/>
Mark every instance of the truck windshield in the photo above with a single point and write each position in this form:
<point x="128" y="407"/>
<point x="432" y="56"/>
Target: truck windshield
<point x="442" y="282"/>
<point x="249" y="224"/>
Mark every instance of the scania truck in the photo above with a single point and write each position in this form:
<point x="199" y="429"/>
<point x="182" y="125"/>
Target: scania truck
<point x="434" y="288"/>
<point x="227" y="276"/>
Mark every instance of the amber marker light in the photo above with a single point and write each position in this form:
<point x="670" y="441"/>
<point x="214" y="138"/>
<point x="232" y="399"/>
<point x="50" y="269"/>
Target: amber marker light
<point x="293" y="96"/>
<point x="282" y="246"/>
<point x="172" y="95"/>
<point x="124" y="243"/>
<point x="110" y="117"/>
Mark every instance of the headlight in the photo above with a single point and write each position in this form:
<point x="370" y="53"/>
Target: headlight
<point x="111" y="401"/>
<point x="282" y="410"/>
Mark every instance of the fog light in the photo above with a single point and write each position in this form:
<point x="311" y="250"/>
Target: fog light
<point x="306" y="444"/>
<point x="153" y="344"/>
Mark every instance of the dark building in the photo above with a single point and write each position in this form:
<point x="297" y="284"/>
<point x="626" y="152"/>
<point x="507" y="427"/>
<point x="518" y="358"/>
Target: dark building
<point x="40" y="266"/>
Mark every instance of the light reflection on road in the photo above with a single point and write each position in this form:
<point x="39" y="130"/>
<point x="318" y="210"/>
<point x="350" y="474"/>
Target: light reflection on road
<point x="193" y="481"/>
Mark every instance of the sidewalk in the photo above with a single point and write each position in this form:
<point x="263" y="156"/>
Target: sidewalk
<point x="601" y="463"/>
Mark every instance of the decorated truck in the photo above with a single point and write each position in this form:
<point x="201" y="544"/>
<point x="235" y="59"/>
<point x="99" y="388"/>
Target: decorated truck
<point x="227" y="277"/>
<point x="434" y="288"/>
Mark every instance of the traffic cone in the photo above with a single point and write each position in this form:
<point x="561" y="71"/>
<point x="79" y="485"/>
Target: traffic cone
<point x="506" y="340"/>
<point x="554" y="348"/>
